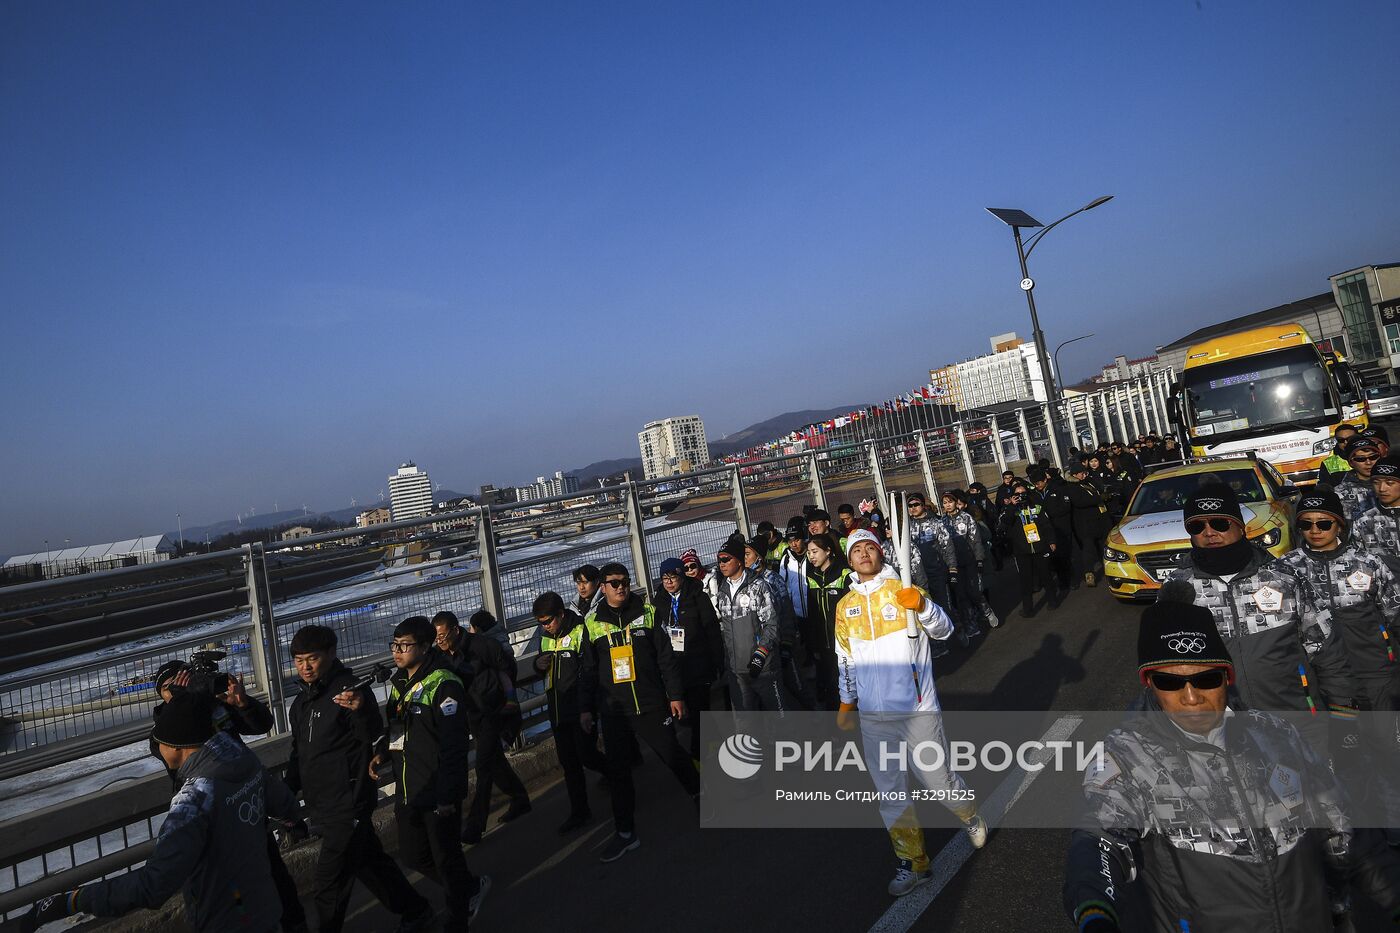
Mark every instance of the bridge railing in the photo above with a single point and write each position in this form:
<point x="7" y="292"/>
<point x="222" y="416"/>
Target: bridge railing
<point x="79" y="653"/>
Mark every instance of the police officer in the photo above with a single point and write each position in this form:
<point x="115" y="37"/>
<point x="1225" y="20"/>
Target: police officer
<point x="563" y="641"/>
<point x="1025" y="525"/>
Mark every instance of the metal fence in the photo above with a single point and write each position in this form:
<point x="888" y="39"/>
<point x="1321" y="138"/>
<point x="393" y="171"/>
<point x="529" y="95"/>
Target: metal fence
<point x="78" y="655"/>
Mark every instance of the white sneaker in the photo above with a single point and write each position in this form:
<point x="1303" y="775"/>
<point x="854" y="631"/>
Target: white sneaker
<point x="907" y="879"/>
<point x="992" y="618"/>
<point x="976" y="832"/>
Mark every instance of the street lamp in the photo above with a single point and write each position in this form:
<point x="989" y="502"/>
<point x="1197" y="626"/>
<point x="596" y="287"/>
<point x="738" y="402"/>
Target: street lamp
<point x="1016" y="220"/>
<point x="1059" y="381"/>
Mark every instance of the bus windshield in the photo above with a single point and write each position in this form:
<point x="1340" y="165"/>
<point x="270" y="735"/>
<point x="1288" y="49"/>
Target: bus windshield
<point x="1255" y="394"/>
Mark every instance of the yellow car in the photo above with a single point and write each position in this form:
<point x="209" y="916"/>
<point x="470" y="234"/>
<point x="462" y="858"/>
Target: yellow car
<point x="1151" y="541"/>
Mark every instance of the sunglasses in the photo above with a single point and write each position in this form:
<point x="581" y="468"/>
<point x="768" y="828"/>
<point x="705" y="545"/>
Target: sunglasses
<point x="725" y="559"/>
<point x="1206" y="680"/>
<point x="1196" y="526"/>
<point x="616" y="584"/>
<point x="1322" y="524"/>
<point x="1360" y="459"/>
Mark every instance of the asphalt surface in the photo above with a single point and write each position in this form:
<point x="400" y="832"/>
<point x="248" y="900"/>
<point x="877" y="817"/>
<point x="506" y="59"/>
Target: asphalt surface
<point x="1080" y="656"/>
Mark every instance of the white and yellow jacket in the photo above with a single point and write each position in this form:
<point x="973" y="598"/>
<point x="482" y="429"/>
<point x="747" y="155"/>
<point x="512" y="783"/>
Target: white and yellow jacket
<point x="876" y="659"/>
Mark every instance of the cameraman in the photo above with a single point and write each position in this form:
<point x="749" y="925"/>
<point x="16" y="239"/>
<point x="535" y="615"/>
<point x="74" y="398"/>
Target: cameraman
<point x="335" y="722"/>
<point x="236" y="714"/>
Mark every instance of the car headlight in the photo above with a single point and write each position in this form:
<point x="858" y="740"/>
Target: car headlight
<point x="1324" y="446"/>
<point x="1269" y="538"/>
<point x="1116" y="555"/>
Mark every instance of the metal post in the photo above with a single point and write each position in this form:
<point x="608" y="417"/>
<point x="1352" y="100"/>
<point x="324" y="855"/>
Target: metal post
<point x="492" y="598"/>
<point x="1122" y="425"/>
<point x="818" y="493"/>
<point x="1026" y="437"/>
<point x="1149" y="406"/>
<point x="1037" y="337"/>
<point x="1132" y="409"/>
<point x="926" y="464"/>
<point x="1050" y="431"/>
<point x="877" y="473"/>
<point x="1093" y="418"/>
<point x="262" y="640"/>
<point x="637" y="536"/>
<point x="966" y="455"/>
<point x="996" y="444"/>
<point x="741" y="505"/>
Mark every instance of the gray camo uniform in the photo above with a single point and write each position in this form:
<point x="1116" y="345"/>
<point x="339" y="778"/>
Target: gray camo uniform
<point x="1356" y="495"/>
<point x="1378" y="531"/>
<point x="932" y="537"/>
<point x="749" y="619"/>
<point x="1239" y="830"/>
<point x="916" y="564"/>
<point x="1276" y="641"/>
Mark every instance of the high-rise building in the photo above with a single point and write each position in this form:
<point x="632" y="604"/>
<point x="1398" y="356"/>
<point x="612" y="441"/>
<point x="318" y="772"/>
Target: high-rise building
<point x="410" y="492"/>
<point x="1011" y="372"/>
<point x="673" y="445"/>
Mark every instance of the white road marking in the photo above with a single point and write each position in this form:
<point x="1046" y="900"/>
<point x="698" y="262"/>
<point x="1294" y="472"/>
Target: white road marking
<point x="905" y="911"/>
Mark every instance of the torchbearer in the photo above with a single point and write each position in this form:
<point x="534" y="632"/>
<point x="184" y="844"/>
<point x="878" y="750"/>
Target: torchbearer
<point x="884" y="634"/>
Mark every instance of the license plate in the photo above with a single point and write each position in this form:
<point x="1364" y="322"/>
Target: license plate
<point x="1162" y="575"/>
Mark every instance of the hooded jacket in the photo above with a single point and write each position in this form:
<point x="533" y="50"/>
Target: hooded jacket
<point x="656" y="674"/>
<point x="748" y="619"/>
<point x="331" y="748"/>
<point x="1270" y="632"/>
<point x="792" y="571"/>
<point x="212" y="846"/>
<point x="1356" y="594"/>
<point x="826" y="588"/>
<point x="1204" y="827"/>
<point x="699" y="646"/>
<point x="430" y="709"/>
<point x="874" y="653"/>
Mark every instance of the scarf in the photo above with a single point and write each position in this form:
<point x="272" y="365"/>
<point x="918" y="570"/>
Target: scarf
<point x="1219" y="561"/>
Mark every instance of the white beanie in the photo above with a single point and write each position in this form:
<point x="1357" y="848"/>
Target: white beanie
<point x="860" y="534"/>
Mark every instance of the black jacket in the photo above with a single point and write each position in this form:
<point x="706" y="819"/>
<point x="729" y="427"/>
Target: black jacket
<point x="1015" y="522"/>
<point x="656" y="675"/>
<point x="1089" y="512"/>
<point x="331" y="748"/>
<point x="1059" y="508"/>
<point x="702" y="655"/>
<point x="430" y="709"/>
<point x="825" y="589"/>
<point x="479" y="661"/>
<point x="561" y="661"/>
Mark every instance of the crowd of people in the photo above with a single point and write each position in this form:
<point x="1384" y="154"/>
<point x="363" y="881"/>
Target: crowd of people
<point x="824" y="615"/>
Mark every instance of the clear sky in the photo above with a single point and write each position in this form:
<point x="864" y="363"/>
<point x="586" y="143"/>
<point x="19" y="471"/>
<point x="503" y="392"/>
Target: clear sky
<point x="263" y="252"/>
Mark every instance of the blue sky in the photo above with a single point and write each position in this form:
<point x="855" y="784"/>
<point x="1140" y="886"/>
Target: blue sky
<point x="264" y="252"/>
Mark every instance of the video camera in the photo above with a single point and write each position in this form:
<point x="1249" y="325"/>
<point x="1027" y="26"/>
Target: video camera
<point x="205" y="676"/>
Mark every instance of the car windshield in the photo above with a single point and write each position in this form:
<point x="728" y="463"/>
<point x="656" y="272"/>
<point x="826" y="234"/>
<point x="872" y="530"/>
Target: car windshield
<point x="1382" y="391"/>
<point x="1253" y="394"/>
<point x="1171" y="492"/>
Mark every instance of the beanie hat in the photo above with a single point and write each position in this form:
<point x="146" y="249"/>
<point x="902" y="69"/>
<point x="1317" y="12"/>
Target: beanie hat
<point x="186" y="721"/>
<point x="690" y="557"/>
<point x="168" y="672"/>
<point x="672" y="565"/>
<point x="819" y="515"/>
<point x="1322" y="500"/>
<point x="482" y="621"/>
<point x="1180" y="633"/>
<point x="1360" y="442"/>
<point x="759" y="544"/>
<point x="1377" y="433"/>
<point x="1213" y="501"/>
<point x="733" y="546"/>
<point x="860" y="535"/>
<point x="1387" y="467"/>
<point x="796" y="528"/>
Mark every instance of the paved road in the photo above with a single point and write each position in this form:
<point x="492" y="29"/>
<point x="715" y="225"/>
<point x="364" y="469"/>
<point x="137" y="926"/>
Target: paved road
<point x="1081" y="656"/>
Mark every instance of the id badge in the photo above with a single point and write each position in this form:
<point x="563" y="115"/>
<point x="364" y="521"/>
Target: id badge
<point x="622" y="670"/>
<point x="677" y="638"/>
<point x="1032" y="533"/>
<point x="1102" y="509"/>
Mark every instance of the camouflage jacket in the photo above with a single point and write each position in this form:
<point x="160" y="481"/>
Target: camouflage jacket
<point x="934" y="540"/>
<point x="1356" y="495"/>
<point x="1378" y="531"/>
<point x="1356" y="595"/>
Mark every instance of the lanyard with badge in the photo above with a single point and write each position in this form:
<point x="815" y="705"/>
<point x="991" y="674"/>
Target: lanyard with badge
<point x="674" y="629"/>
<point x="623" y="669"/>
<point x="1028" y="526"/>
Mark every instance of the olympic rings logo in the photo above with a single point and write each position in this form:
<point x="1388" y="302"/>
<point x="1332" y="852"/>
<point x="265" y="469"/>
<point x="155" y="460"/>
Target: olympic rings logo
<point x="1210" y="505"/>
<point x="1192" y="644"/>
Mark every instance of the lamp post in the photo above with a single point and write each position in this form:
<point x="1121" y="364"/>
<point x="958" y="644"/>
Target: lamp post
<point x="1016" y="220"/>
<point x="181" y="526"/>
<point x="1059" y="382"/>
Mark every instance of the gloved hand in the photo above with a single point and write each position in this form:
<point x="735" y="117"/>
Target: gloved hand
<point x="846" y="717"/>
<point x="910" y="598"/>
<point x="293" y="832"/>
<point x="757" y="660"/>
<point x="51" y="908"/>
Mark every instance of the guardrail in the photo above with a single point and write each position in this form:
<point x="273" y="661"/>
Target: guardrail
<point x="79" y="652"/>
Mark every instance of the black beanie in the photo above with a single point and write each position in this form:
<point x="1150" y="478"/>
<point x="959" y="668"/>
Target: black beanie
<point x="168" y="672"/>
<point x="1322" y="499"/>
<point x="1213" y="501"/>
<point x="1179" y="633"/>
<point x="760" y="546"/>
<point x="482" y="621"/>
<point x="734" y="546"/>
<point x="186" y="721"/>
<point x="1387" y="466"/>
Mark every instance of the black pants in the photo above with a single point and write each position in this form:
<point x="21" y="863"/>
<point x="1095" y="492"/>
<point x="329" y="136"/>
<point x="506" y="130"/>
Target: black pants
<point x="817" y="640"/>
<point x="292" y="912"/>
<point x="657" y="730"/>
<point x="432" y="845"/>
<point x="492" y="767"/>
<point x="350" y="849"/>
<point x="697" y="701"/>
<point x="1033" y="570"/>
<point x="1062" y="560"/>
<point x="577" y="750"/>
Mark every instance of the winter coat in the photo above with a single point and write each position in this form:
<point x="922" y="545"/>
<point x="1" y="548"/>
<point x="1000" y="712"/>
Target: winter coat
<point x="1016" y="525"/>
<point x="967" y="541"/>
<point x="916" y="563"/>
<point x="656" y="675"/>
<point x="561" y="662"/>
<point x="1356" y="496"/>
<point x="1273" y="637"/>
<point x="1357" y="595"/>
<point x="1205" y="827"/>
<point x="1059" y="508"/>
<point x="935" y="543"/>
<point x="212" y="846"/>
<point x="430" y="708"/>
<point x="688" y="620"/>
<point x="874" y="652"/>
<point x="1378" y="531"/>
<point x="792" y="571"/>
<point x="826" y="588"/>
<point x="1089" y="514"/>
<point x="331" y="748"/>
<point x="748" y="619"/>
